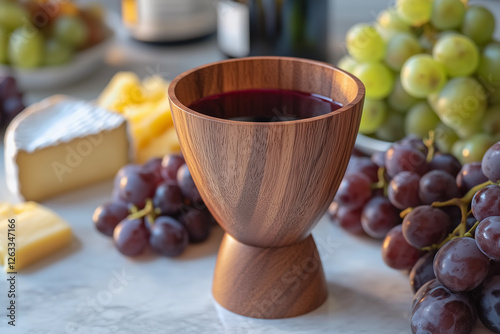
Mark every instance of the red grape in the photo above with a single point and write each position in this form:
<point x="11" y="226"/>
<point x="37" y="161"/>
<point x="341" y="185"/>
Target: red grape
<point x="397" y="253"/>
<point x="8" y="87"/>
<point x="363" y="165"/>
<point x="197" y="223"/>
<point x="423" y="271"/>
<point x="349" y="218"/>
<point x="437" y="186"/>
<point x="445" y="162"/>
<point x="168" y="236"/>
<point x="108" y="215"/>
<point x="414" y="142"/>
<point x="400" y="158"/>
<point x="131" y="237"/>
<point x="491" y="163"/>
<point x="135" y="187"/>
<point x="470" y="176"/>
<point x="153" y="167"/>
<point x="460" y="265"/>
<point x="488" y="237"/>
<point x="378" y="217"/>
<point x="122" y="172"/>
<point x="423" y="290"/>
<point x="486" y="202"/>
<point x="170" y="165"/>
<point x="403" y="190"/>
<point x="168" y="198"/>
<point x="443" y="312"/>
<point x="12" y="106"/>
<point x="488" y="306"/>
<point x="354" y="190"/>
<point x="186" y="184"/>
<point x="425" y="226"/>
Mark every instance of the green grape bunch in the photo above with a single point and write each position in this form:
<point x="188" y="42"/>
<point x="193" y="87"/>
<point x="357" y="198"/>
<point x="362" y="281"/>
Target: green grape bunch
<point x="429" y="66"/>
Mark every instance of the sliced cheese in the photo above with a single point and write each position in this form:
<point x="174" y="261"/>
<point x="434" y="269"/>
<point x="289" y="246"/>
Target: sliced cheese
<point x="38" y="233"/>
<point x="61" y="144"/>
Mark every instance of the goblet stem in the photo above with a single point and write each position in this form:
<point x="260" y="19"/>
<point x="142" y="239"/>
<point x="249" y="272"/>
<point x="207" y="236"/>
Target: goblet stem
<point x="269" y="283"/>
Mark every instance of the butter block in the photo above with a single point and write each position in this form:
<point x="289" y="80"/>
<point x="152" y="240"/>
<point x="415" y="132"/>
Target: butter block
<point x="61" y="144"/>
<point x="39" y="232"/>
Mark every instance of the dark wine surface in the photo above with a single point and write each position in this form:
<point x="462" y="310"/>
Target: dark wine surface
<point x="265" y="105"/>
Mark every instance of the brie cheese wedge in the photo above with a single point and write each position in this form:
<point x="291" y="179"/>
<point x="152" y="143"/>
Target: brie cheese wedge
<point x="61" y="144"/>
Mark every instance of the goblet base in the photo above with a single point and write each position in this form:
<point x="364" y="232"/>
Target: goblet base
<point x="269" y="283"/>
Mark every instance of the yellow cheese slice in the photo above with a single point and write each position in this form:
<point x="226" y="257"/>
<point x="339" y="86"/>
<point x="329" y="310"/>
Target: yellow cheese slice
<point x="35" y="233"/>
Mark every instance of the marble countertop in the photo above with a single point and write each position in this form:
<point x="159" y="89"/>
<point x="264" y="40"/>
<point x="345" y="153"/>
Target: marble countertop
<point x="90" y="288"/>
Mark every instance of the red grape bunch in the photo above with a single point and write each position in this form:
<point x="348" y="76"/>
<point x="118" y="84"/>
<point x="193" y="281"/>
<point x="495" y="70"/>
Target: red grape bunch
<point x="11" y="100"/>
<point x="449" y="237"/>
<point x="157" y="205"/>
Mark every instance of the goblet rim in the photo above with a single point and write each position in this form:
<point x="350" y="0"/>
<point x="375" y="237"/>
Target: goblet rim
<point x="175" y="101"/>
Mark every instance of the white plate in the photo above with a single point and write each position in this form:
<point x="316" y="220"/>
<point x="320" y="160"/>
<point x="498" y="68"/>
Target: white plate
<point x="83" y="64"/>
<point x="370" y="145"/>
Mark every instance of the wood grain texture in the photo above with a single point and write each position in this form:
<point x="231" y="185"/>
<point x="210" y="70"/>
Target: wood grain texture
<point x="289" y="281"/>
<point x="267" y="184"/>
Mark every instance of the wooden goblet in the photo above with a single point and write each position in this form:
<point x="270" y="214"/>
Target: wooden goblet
<point x="267" y="184"/>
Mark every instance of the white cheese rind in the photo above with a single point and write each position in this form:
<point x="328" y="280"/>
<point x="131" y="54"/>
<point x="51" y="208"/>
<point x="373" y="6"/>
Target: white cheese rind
<point x="51" y="122"/>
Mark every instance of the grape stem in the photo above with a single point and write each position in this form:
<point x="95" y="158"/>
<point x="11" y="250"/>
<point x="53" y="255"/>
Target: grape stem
<point x="149" y="211"/>
<point x="381" y="184"/>
<point x="429" y="143"/>
<point x="472" y="229"/>
<point x="405" y="212"/>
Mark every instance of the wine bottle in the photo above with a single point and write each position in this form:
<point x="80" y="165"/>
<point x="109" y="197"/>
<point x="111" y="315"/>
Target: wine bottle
<point x="296" y="28"/>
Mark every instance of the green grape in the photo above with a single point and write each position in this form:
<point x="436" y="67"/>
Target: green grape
<point x="478" y="24"/>
<point x="57" y="53"/>
<point x="347" y="64"/>
<point x="71" y="30"/>
<point x="374" y="113"/>
<point x="475" y="147"/>
<point x="494" y="97"/>
<point x="12" y="15"/>
<point x="392" y="129"/>
<point x="447" y="14"/>
<point x="390" y="23"/>
<point x="457" y="53"/>
<point x="432" y="100"/>
<point x="468" y="130"/>
<point x="26" y="48"/>
<point x="420" y="120"/>
<point x="4" y="43"/>
<point x="377" y="78"/>
<point x="364" y="43"/>
<point x="401" y="47"/>
<point x="456" y="150"/>
<point x="489" y="65"/>
<point x="491" y="120"/>
<point x="421" y="75"/>
<point x="462" y="101"/>
<point x="444" y="137"/>
<point x="415" y="12"/>
<point x="399" y="99"/>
